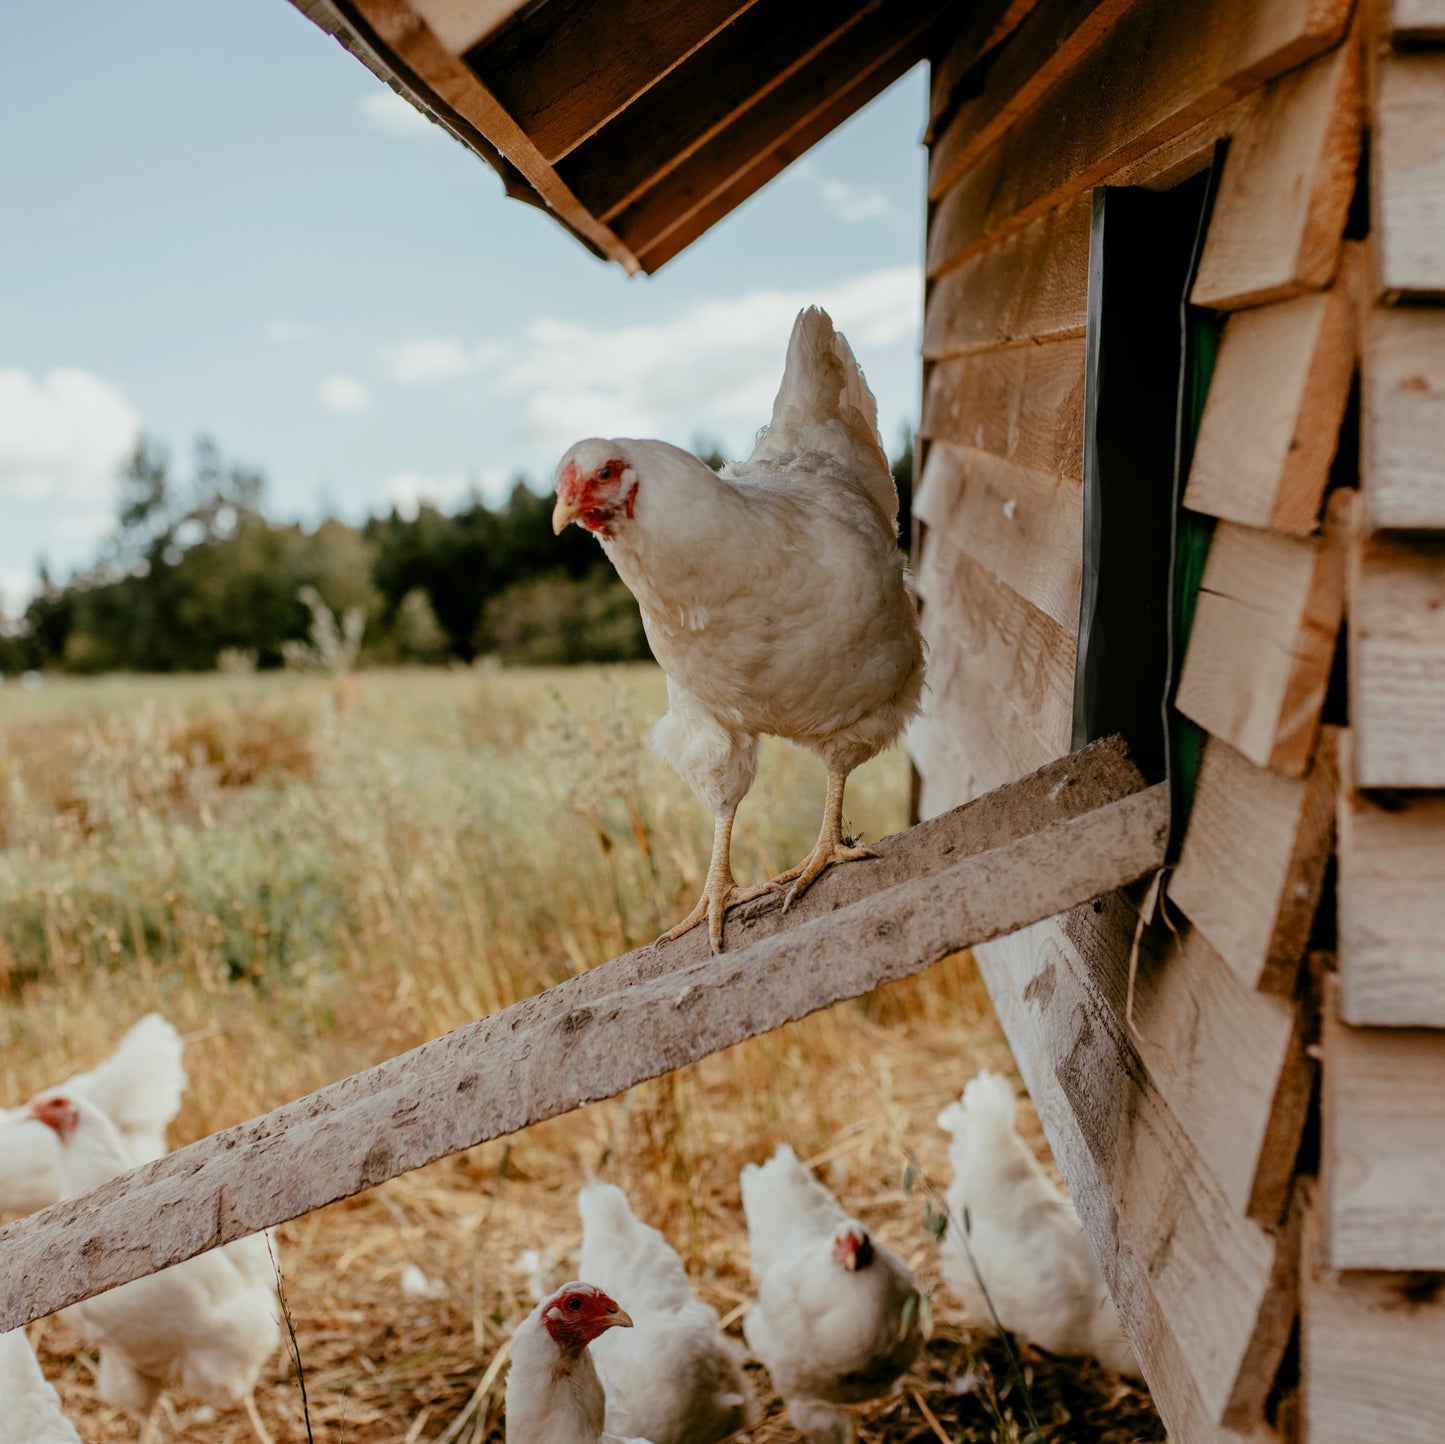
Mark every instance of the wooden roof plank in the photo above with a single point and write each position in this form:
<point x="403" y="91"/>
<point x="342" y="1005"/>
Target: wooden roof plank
<point x="563" y="70"/>
<point x="550" y="1055"/>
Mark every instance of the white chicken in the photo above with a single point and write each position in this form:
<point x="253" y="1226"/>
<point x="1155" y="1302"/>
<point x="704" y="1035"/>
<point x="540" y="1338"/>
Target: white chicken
<point x="772" y="594"/>
<point x="139" y="1088"/>
<point x="208" y="1325"/>
<point x="674" y="1376"/>
<point x="31" y="1412"/>
<point x="839" y="1317"/>
<point x="553" y="1393"/>
<point x="1026" y="1240"/>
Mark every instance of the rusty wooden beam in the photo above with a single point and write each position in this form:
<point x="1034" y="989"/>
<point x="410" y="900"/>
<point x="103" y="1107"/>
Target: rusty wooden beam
<point x="1076" y="829"/>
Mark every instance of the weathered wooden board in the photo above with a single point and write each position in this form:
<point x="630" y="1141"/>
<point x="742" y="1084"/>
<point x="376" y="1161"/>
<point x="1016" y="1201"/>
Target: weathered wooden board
<point x="1253" y="862"/>
<point x="1403" y="417"/>
<point x="1026" y="527"/>
<point x="1259" y="655"/>
<point x="459" y="24"/>
<point x="539" y="1059"/>
<point x="1032" y="286"/>
<point x="1418" y="22"/>
<point x="1391" y="895"/>
<point x="1407" y="181"/>
<point x="1040" y="52"/>
<point x="1164" y="67"/>
<point x="978" y="32"/>
<point x="1371" y="1346"/>
<point x="1272" y="418"/>
<point x="1286" y="188"/>
<point x="1171" y="1213"/>
<point x="1397" y="661"/>
<point x="1383" y="1157"/>
<point x="564" y="69"/>
<point x="1227" y="1060"/>
<point x="1023" y="403"/>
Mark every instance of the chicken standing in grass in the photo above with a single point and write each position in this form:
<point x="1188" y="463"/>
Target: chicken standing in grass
<point x="139" y="1088"/>
<point x="839" y="1317"/>
<point x="207" y="1326"/>
<point x="31" y="1412"/>
<point x="553" y="1393"/>
<point x="1025" y="1239"/>
<point x="772" y="594"/>
<point x="674" y="1376"/>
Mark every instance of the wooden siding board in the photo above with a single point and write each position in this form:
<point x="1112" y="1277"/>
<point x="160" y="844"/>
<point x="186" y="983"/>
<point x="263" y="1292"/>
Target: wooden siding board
<point x="1286" y="188"/>
<point x="1169" y="68"/>
<point x="1032" y="286"/>
<point x="983" y="27"/>
<point x="1023" y="403"/>
<point x="1171" y="1214"/>
<point x="1397" y="661"/>
<point x="1263" y="641"/>
<point x="1383" y="1173"/>
<point x="1391" y="883"/>
<point x="1408" y="175"/>
<point x="1272" y="418"/>
<point x="1418" y="22"/>
<point x="1403" y="417"/>
<point x="1025" y="527"/>
<point x="1253" y="861"/>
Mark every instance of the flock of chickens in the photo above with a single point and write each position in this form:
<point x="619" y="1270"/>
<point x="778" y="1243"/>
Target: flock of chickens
<point x="625" y="1355"/>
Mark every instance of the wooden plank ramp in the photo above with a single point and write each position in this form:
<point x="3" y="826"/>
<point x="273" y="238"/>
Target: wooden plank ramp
<point x="1074" y="830"/>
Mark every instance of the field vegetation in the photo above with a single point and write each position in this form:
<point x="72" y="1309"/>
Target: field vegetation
<point x="308" y="874"/>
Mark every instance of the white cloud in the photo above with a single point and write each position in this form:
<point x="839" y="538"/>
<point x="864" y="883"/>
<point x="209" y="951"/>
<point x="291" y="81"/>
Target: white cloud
<point x="407" y="490"/>
<point x="711" y="369"/>
<point x="63" y="438"/>
<point x="849" y="203"/>
<point x="437" y="358"/>
<point x="345" y="394"/>
<point x="17" y="586"/>
<point x="288" y="333"/>
<point x="387" y="112"/>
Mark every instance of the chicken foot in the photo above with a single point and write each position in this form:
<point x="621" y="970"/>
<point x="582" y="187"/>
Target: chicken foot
<point x="719" y="892"/>
<point x="831" y="847"/>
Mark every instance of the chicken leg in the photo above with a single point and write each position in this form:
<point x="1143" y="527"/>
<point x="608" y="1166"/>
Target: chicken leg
<point x="719" y="892"/>
<point x="831" y="847"/>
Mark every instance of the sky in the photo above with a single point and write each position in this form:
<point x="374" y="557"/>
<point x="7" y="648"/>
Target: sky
<point x="218" y="223"/>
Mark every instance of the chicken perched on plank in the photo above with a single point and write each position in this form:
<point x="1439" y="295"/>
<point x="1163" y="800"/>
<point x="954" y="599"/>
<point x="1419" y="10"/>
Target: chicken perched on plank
<point x="839" y="1317"/>
<point x="772" y="593"/>
<point x="31" y="1413"/>
<point x="674" y="1376"/>
<point x="1025" y="1238"/>
<point x="208" y="1325"/>
<point x="139" y="1088"/>
<point x="553" y="1393"/>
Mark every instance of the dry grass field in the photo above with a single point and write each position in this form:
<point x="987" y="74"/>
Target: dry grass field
<point x="307" y="878"/>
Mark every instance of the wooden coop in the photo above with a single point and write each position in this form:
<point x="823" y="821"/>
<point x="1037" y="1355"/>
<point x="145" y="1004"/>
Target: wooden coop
<point x="1182" y="478"/>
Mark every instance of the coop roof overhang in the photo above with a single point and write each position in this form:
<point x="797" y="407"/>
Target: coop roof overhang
<point x="1071" y="832"/>
<point x="637" y="123"/>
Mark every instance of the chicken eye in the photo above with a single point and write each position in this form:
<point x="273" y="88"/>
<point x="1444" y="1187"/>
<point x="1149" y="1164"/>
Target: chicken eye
<point x="574" y="1303"/>
<point x="606" y="473"/>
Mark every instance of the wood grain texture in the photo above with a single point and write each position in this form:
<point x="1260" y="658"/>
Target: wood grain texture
<point x="1403" y="418"/>
<point x="1288" y="178"/>
<point x="1371" y="1345"/>
<point x="1032" y="286"/>
<point x="1022" y="403"/>
<point x="1383" y="1156"/>
<point x="1048" y="42"/>
<point x="1272" y="418"/>
<point x="1222" y="1285"/>
<point x="1391" y="883"/>
<point x="1263" y="641"/>
<point x="558" y="1052"/>
<point x="1160" y="70"/>
<point x="1253" y="862"/>
<point x="981" y="29"/>
<point x="1007" y="966"/>
<point x="1227" y="1060"/>
<point x="1025" y="527"/>
<point x="460" y="24"/>
<point x="1397" y="661"/>
<point x="1407" y="183"/>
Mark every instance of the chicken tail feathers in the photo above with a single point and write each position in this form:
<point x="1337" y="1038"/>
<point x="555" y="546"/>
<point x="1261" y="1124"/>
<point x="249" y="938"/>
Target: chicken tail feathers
<point x="824" y="404"/>
<point x="988" y="1103"/>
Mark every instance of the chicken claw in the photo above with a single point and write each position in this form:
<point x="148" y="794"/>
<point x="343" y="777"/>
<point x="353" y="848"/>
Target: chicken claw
<point x="719" y="892"/>
<point x="831" y="847"/>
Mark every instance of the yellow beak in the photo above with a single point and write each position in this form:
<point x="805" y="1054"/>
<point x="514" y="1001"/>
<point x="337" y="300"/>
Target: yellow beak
<point x="563" y="513"/>
<point x="620" y="1319"/>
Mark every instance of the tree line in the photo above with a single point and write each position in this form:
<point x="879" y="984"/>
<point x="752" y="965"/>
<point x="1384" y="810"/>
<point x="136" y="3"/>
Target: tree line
<point x="197" y="575"/>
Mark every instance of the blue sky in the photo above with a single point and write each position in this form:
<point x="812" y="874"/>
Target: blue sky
<point x="217" y="221"/>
